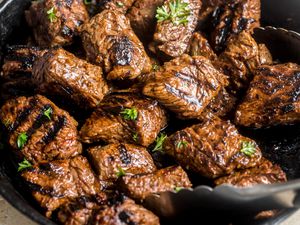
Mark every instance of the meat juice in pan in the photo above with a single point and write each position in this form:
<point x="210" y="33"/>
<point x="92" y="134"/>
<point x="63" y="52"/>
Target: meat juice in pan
<point x="200" y="86"/>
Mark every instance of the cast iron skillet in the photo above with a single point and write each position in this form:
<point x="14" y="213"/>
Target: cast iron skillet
<point x="281" y="144"/>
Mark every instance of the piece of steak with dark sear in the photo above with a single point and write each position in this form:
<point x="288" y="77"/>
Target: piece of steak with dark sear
<point x="38" y="130"/>
<point x="213" y="148"/>
<point x="273" y="97"/>
<point x="55" y="22"/>
<point x="62" y="73"/>
<point x="120" y="5"/>
<point x="142" y="18"/>
<point x="172" y="36"/>
<point x="264" y="173"/>
<point x="110" y="42"/>
<point x="124" y="117"/>
<point x="140" y="186"/>
<point x="199" y="46"/>
<point x="186" y="85"/>
<point x="233" y="17"/>
<point x="113" y="160"/>
<point x="58" y="182"/>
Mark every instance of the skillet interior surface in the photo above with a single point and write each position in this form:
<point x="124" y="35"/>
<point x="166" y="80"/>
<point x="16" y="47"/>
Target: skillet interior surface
<point x="280" y="144"/>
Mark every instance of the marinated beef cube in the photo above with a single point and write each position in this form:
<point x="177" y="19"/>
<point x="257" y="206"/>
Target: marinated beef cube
<point x="110" y="42"/>
<point x="60" y="72"/>
<point x="212" y="149"/>
<point x="186" y="85"/>
<point x="273" y="97"/>
<point x="173" y="34"/>
<point x="240" y="59"/>
<point x="233" y="17"/>
<point x="56" y="22"/>
<point x="112" y="160"/>
<point x="206" y="11"/>
<point x="199" y="46"/>
<point x="125" y="211"/>
<point x="38" y="130"/>
<point x="120" y="5"/>
<point x="19" y="60"/>
<point x="124" y="117"/>
<point x="264" y="173"/>
<point x="142" y="18"/>
<point x="58" y="182"/>
<point x="81" y="210"/>
<point x="141" y="186"/>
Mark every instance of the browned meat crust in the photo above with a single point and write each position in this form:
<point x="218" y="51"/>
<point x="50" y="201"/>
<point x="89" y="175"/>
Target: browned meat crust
<point x="120" y="5"/>
<point x="273" y="97"/>
<point x="60" y="72"/>
<point x="171" y="39"/>
<point x="110" y="159"/>
<point x="58" y="182"/>
<point x="47" y="138"/>
<point x="233" y="17"/>
<point x="142" y="18"/>
<point x="56" y="22"/>
<point x="199" y="46"/>
<point x="110" y="42"/>
<point x="264" y="173"/>
<point x="240" y="59"/>
<point x="141" y="186"/>
<point x="212" y="149"/>
<point x="186" y="85"/>
<point x="108" y="123"/>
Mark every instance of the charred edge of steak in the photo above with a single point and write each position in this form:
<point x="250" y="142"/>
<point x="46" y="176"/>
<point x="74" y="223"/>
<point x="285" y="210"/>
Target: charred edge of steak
<point x="67" y="32"/>
<point x="125" y="218"/>
<point x="51" y="134"/>
<point x="124" y="156"/>
<point x="43" y="190"/>
<point x="122" y="51"/>
<point x="23" y="115"/>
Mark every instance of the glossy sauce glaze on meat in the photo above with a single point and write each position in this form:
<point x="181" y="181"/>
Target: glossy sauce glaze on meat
<point x="154" y="93"/>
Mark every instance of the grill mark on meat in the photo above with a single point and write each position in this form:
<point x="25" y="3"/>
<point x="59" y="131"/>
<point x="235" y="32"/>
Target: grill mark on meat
<point x="23" y="115"/>
<point x="43" y="190"/>
<point x="51" y="134"/>
<point x="122" y="51"/>
<point x="67" y="32"/>
<point x="125" y="218"/>
<point x="124" y="156"/>
<point x="242" y="24"/>
<point x="224" y="33"/>
<point x="26" y="61"/>
<point x="182" y="95"/>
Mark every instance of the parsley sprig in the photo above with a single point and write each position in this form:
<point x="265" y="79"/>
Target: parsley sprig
<point x="120" y="4"/>
<point x="121" y="172"/>
<point x="24" y="165"/>
<point x="21" y="140"/>
<point x="48" y="112"/>
<point x="51" y="14"/>
<point x="176" y="11"/>
<point x="181" y="144"/>
<point x="159" y="142"/>
<point x="129" y="114"/>
<point x="248" y="148"/>
<point x="87" y="2"/>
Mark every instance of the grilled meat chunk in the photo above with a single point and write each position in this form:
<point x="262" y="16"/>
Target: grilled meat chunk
<point x="142" y="18"/>
<point x="56" y="22"/>
<point x="60" y="72"/>
<point x="264" y="173"/>
<point x="19" y="60"/>
<point x="172" y="39"/>
<point x="120" y="5"/>
<point x="233" y="17"/>
<point x="212" y="148"/>
<point x="38" y="130"/>
<point x="110" y="42"/>
<point x="58" y="182"/>
<point x="273" y="97"/>
<point x="141" y="186"/>
<point x="206" y="11"/>
<point x="111" y="160"/>
<point x="124" y="211"/>
<point x="240" y="59"/>
<point x="124" y="117"/>
<point x="186" y="85"/>
<point x="199" y="46"/>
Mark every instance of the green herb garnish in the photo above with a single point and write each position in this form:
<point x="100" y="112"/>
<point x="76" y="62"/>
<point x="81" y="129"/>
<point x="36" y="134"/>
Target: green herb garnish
<point x="135" y="137"/>
<point x="248" y="148"/>
<point x="121" y="172"/>
<point x="120" y="4"/>
<point x="129" y="114"/>
<point x="24" y="165"/>
<point x="87" y="2"/>
<point x="182" y="144"/>
<point x="159" y="142"/>
<point x="22" y="139"/>
<point x="48" y="112"/>
<point x="177" y="189"/>
<point x="177" y="11"/>
<point x="51" y="14"/>
<point x="7" y="123"/>
<point x="155" y="67"/>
